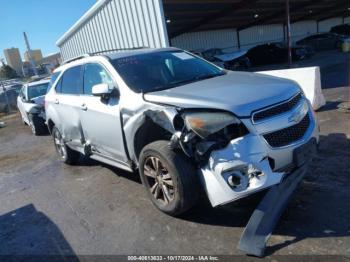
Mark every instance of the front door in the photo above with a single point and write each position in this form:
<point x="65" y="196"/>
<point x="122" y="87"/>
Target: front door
<point x="101" y="117"/>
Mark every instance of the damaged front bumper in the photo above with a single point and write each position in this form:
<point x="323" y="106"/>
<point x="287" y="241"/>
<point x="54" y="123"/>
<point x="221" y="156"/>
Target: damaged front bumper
<point x="266" y="216"/>
<point x="240" y="169"/>
<point x="244" y="167"/>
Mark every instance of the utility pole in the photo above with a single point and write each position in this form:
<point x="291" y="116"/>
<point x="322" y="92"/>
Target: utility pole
<point x="31" y="60"/>
<point x="289" y="38"/>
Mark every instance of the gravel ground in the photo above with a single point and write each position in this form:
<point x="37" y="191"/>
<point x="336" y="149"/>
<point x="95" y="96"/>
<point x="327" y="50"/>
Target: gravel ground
<point x="50" y="208"/>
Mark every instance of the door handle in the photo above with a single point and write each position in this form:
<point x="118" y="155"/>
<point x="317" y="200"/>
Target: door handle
<point x="83" y="107"/>
<point x="57" y="102"/>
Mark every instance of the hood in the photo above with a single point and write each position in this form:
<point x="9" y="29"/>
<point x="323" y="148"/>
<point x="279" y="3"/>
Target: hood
<point x="230" y="56"/>
<point x="237" y="92"/>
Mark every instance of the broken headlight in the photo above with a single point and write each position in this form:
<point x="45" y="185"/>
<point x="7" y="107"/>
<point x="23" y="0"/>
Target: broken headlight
<point x="204" y="124"/>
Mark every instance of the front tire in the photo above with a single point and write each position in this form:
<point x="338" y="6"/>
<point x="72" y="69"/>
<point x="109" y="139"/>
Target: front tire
<point x="67" y="155"/>
<point x="169" y="177"/>
<point x="37" y="125"/>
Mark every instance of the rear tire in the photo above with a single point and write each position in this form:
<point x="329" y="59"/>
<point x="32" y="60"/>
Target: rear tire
<point x="67" y="155"/>
<point x="169" y="177"/>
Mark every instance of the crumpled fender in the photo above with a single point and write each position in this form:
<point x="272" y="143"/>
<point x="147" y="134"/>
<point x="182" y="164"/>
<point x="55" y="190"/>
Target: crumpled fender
<point x="160" y="115"/>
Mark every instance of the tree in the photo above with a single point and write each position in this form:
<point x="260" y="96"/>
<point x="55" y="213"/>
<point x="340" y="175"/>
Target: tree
<point x="7" y="72"/>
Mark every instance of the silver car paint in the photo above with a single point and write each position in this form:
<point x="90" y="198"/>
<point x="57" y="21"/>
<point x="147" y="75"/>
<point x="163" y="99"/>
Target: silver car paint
<point x="25" y="107"/>
<point x="239" y="93"/>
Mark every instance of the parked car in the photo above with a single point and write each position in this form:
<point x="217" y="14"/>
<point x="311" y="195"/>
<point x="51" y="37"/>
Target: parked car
<point x="30" y="103"/>
<point x="182" y="122"/>
<point x="231" y="61"/>
<point x="8" y="96"/>
<point x="324" y="41"/>
<point x="273" y="53"/>
<point x="341" y="30"/>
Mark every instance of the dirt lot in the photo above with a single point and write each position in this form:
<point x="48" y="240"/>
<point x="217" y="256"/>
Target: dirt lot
<point x="49" y="208"/>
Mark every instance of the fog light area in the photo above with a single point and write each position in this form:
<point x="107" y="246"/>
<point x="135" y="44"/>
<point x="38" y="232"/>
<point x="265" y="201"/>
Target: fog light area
<point x="240" y="169"/>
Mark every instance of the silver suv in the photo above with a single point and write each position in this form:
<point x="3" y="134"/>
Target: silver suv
<point x="183" y="122"/>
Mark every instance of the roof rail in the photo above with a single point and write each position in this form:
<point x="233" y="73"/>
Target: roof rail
<point x="75" y="58"/>
<point x="119" y="49"/>
<point x="102" y="52"/>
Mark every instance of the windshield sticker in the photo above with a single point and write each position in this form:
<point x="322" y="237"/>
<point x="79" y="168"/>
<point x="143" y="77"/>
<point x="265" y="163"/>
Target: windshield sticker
<point x="183" y="56"/>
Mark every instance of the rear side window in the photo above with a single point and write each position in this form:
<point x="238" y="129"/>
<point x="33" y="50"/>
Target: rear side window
<point x="72" y="81"/>
<point x="95" y="74"/>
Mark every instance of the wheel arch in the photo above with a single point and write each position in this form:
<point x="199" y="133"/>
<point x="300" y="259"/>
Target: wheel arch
<point x="147" y="133"/>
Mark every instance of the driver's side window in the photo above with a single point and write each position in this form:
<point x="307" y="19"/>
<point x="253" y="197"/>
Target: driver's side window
<point x="95" y="74"/>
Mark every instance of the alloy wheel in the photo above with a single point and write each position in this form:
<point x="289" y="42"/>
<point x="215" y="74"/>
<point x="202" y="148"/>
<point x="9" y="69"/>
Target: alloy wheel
<point x="59" y="144"/>
<point x="159" y="180"/>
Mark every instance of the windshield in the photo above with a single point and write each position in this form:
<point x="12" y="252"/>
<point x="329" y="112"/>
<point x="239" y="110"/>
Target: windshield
<point x="37" y="90"/>
<point x="163" y="70"/>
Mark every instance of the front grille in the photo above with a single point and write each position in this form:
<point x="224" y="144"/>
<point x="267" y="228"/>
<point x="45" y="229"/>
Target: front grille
<point x="288" y="135"/>
<point x="277" y="110"/>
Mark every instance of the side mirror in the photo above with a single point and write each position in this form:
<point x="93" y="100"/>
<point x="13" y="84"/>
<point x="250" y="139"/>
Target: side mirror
<point x="101" y="90"/>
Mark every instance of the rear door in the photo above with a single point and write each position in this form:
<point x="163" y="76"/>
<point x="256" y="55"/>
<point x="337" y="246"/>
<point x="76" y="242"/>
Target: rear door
<point x="101" y="118"/>
<point x="67" y="103"/>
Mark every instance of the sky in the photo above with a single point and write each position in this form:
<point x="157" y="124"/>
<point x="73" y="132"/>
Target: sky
<point x="44" y="21"/>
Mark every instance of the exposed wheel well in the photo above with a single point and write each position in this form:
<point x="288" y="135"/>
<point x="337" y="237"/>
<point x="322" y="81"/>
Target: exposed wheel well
<point x="148" y="133"/>
<point x="50" y="125"/>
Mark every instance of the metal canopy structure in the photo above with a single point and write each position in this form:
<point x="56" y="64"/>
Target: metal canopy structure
<point x="185" y="16"/>
<point x="197" y="24"/>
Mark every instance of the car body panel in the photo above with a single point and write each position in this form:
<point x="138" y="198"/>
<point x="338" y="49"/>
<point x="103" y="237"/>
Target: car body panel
<point x="68" y="108"/>
<point x="96" y="115"/>
<point x="237" y="92"/>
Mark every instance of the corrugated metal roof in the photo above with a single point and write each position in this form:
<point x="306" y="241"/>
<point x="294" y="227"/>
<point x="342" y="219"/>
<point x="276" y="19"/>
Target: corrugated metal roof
<point x="82" y="20"/>
<point x="116" y="24"/>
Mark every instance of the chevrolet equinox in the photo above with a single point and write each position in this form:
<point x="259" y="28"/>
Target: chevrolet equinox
<point x="182" y="122"/>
